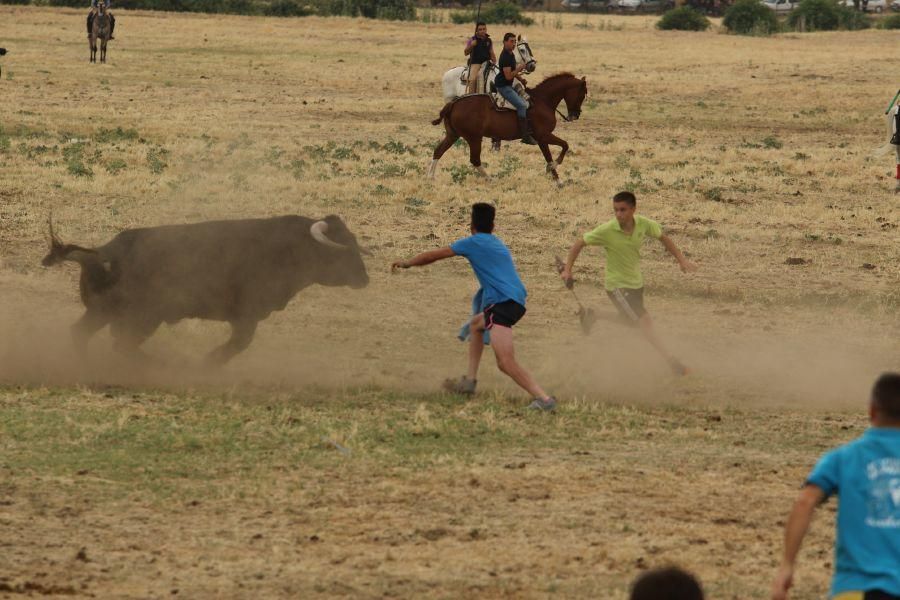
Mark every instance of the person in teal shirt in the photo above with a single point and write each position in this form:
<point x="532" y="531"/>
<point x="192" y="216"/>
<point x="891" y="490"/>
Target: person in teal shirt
<point x="865" y="476"/>
<point x="622" y="237"/>
<point x="502" y="303"/>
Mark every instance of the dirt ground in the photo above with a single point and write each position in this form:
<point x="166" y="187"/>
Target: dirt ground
<point x="321" y="462"/>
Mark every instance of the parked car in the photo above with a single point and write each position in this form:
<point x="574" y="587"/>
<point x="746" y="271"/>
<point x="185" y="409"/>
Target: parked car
<point x="895" y="5"/>
<point x="644" y="5"/>
<point x="878" y="6"/>
<point x="781" y="6"/>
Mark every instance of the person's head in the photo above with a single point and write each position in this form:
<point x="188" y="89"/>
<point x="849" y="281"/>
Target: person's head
<point x="624" y="205"/>
<point x="884" y="409"/>
<point x="509" y="41"/>
<point x="666" y="584"/>
<point x="481" y="29"/>
<point x="482" y="218"/>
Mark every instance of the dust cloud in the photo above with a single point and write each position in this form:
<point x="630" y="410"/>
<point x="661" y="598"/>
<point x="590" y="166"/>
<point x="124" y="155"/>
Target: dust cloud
<point x="337" y="338"/>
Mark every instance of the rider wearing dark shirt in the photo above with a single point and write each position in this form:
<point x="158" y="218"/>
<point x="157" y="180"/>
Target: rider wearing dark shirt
<point x="479" y="49"/>
<point x="506" y="60"/>
<point x="508" y="72"/>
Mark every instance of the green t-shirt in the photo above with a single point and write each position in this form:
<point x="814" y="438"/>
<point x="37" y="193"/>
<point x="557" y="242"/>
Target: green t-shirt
<point x="623" y="257"/>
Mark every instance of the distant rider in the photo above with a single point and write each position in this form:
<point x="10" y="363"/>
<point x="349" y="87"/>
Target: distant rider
<point x="504" y="82"/>
<point x="90" y="18"/>
<point x="479" y="49"/>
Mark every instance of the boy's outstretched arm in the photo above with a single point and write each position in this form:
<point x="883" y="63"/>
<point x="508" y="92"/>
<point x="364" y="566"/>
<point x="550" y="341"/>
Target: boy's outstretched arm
<point x="425" y="258"/>
<point x="795" y="530"/>
<point x="574" y="251"/>
<point x="686" y="265"/>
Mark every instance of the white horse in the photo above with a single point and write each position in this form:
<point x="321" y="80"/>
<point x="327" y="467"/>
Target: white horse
<point x="454" y="86"/>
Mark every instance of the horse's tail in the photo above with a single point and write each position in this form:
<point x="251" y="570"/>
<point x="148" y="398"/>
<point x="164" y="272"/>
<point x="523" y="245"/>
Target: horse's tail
<point x="445" y="113"/>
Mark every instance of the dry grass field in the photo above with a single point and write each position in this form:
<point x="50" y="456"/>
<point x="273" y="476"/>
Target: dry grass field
<point x="322" y="462"/>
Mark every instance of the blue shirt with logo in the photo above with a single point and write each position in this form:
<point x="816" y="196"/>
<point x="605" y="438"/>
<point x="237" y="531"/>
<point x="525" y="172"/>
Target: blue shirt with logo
<point x="865" y="475"/>
<point x="494" y="268"/>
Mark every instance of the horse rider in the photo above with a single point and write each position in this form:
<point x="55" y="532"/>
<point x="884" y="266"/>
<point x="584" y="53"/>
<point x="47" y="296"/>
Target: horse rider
<point x="504" y="82"/>
<point x="93" y="11"/>
<point x="479" y="49"/>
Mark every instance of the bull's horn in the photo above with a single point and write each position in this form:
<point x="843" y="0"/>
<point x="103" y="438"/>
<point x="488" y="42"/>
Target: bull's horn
<point x="318" y="230"/>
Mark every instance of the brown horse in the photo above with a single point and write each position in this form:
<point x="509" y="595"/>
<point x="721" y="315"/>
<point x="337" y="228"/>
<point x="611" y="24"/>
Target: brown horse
<point x="474" y="117"/>
<point x="100" y="30"/>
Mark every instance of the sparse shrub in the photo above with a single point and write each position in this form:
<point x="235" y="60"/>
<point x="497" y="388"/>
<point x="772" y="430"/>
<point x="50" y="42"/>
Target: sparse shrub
<point x="683" y="18"/>
<point x="115" y="135"/>
<point x="396" y="10"/>
<point x="458" y="173"/>
<point x="395" y="147"/>
<point x="502" y="12"/>
<point x="74" y="157"/>
<point x="750" y="17"/>
<point x="287" y="8"/>
<point x="891" y="22"/>
<point x="115" y="165"/>
<point x="155" y="160"/>
<point x="772" y="142"/>
<point x="509" y="165"/>
<point x="826" y="15"/>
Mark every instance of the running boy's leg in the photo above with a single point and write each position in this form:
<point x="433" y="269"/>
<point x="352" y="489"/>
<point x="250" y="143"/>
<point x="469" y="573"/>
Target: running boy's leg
<point x="630" y="303"/>
<point x="476" y="345"/>
<point x="502" y="343"/>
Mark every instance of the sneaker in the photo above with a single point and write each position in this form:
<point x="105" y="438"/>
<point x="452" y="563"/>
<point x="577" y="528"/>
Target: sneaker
<point x="548" y="405"/>
<point x="463" y="385"/>
<point x="678" y="368"/>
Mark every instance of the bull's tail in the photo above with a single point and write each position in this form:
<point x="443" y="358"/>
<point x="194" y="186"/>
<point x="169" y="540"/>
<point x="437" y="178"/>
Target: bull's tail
<point x="98" y="276"/>
<point x="60" y="252"/>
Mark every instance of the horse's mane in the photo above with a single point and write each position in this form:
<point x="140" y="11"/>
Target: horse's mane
<point x="552" y="78"/>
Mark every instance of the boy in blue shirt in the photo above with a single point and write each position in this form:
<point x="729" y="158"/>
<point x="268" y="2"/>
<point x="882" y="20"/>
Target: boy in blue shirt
<point x="503" y="301"/>
<point x="865" y="475"/>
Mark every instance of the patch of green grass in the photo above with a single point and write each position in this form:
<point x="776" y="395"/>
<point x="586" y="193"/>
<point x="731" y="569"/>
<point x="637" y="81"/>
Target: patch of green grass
<point x="156" y="159"/>
<point x="73" y="154"/>
<point x="116" y="135"/>
<point x="115" y="165"/>
<point x="458" y="173"/>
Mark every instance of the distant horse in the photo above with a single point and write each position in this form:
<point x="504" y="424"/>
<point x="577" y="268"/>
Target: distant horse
<point x="474" y="117"/>
<point x="100" y="30"/>
<point x="454" y="87"/>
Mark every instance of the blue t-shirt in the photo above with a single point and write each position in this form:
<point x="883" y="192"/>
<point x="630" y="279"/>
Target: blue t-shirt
<point x="865" y="474"/>
<point x="493" y="266"/>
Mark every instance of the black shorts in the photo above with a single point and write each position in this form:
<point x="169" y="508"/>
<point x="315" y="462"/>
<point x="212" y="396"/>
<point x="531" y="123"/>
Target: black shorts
<point x="630" y="303"/>
<point x="506" y="314"/>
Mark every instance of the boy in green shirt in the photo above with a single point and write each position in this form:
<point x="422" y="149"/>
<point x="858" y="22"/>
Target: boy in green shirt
<point x="622" y="237"/>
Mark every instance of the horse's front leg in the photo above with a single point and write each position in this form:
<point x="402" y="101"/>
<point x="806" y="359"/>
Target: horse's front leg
<point x="551" y="166"/>
<point x="552" y="139"/>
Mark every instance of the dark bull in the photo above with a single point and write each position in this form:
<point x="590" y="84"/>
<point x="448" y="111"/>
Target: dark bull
<point x="235" y="271"/>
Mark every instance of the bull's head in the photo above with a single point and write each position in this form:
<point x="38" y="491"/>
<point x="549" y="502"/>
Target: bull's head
<point x="346" y="266"/>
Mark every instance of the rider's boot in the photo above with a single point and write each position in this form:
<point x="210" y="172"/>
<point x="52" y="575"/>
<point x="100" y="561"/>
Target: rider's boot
<point x="112" y="26"/>
<point x="524" y="133"/>
<point x="90" y="20"/>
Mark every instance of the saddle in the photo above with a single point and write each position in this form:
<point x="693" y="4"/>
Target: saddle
<point x="501" y="103"/>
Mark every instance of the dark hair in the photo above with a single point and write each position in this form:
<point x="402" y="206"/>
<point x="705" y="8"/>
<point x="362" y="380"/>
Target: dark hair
<point x="625" y="197"/>
<point x="507" y="36"/>
<point x="886" y="395"/>
<point x="483" y="217"/>
<point x="479" y="24"/>
<point x="666" y="584"/>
